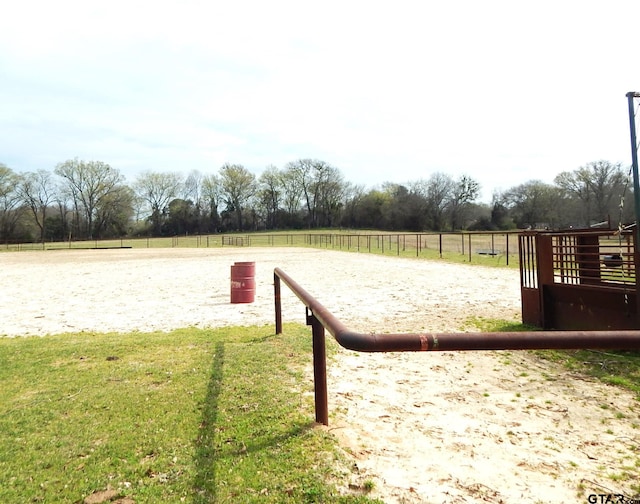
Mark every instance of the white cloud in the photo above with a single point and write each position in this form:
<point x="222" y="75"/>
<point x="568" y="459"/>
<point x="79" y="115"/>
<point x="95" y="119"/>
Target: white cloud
<point x="502" y="91"/>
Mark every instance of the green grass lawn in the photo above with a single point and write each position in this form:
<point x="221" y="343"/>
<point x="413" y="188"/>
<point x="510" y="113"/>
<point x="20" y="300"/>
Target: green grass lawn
<point x="194" y="416"/>
<point x="620" y="368"/>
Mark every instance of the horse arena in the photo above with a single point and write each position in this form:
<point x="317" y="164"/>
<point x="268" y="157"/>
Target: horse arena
<point x="447" y="427"/>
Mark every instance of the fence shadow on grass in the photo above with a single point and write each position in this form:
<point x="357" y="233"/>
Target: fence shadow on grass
<point x="204" y="482"/>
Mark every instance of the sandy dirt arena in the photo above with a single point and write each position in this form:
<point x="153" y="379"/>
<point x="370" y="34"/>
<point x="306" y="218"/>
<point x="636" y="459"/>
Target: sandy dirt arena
<point x="424" y="427"/>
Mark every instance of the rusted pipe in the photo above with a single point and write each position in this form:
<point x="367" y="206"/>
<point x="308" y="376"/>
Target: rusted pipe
<point x="420" y="342"/>
<point x="278" y="303"/>
<point x="319" y="369"/>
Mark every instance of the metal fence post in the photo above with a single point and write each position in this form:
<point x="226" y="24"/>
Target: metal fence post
<point x="507" y="247"/>
<point x="319" y="369"/>
<point x="278" y="303"/>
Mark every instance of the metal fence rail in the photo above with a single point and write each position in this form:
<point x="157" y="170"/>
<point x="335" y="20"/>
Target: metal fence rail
<point x="319" y="318"/>
<point x="502" y="247"/>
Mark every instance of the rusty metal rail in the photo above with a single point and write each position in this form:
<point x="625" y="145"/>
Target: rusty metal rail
<point x="319" y="318"/>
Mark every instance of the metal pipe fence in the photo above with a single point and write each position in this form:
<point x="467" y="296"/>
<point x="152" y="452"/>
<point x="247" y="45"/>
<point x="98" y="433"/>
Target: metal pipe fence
<point x="478" y="247"/>
<point x="319" y="318"/>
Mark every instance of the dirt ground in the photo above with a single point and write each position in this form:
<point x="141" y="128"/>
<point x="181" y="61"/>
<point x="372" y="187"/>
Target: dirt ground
<point x="450" y="427"/>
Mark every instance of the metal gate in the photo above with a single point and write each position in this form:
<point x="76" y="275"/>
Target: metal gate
<point x="579" y="280"/>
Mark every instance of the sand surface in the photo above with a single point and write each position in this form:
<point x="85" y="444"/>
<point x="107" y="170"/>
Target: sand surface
<point x="424" y="427"/>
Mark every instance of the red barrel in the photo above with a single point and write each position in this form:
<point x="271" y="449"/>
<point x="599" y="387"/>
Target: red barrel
<point x="243" y="283"/>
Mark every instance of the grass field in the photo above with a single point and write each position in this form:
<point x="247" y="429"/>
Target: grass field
<point x="195" y="416"/>
<point x="191" y="415"/>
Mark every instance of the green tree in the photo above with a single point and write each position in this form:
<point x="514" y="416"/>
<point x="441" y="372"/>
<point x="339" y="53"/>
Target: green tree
<point x="407" y="208"/>
<point x="500" y="218"/>
<point x="113" y="215"/>
<point x="372" y="211"/>
<point x="182" y="217"/>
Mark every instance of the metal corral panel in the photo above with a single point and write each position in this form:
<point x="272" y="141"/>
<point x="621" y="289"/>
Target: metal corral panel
<point x="579" y="280"/>
<point x="577" y="308"/>
<point x="531" y="309"/>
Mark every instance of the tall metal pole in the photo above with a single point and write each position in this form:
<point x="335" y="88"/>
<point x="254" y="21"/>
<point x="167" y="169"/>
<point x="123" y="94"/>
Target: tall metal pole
<point x="634" y="162"/>
<point x="636" y="190"/>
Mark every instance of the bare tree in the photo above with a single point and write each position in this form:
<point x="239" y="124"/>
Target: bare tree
<point x="238" y="186"/>
<point x="211" y="194"/>
<point x="302" y="172"/>
<point x="157" y="190"/>
<point x="328" y="194"/>
<point x="464" y="192"/>
<point x="9" y="202"/>
<point x="436" y="191"/>
<point x="270" y="194"/>
<point x="607" y="184"/>
<point x="354" y="197"/>
<point x="321" y="187"/>
<point x="193" y="192"/>
<point x="292" y="191"/>
<point x="88" y="183"/>
<point x="37" y="191"/>
<point x="598" y="186"/>
<point x="533" y="204"/>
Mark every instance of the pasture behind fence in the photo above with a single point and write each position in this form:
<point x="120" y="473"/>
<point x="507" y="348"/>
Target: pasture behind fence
<point x="478" y="247"/>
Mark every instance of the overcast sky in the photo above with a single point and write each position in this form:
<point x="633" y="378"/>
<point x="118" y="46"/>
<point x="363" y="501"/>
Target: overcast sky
<point x="503" y="91"/>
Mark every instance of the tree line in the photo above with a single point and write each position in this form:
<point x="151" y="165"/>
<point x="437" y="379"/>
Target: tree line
<point x="91" y="199"/>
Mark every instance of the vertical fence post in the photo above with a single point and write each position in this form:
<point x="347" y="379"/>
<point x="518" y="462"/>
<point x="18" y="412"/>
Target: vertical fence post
<point x="440" y="244"/>
<point x="319" y="369"/>
<point x="469" y="247"/>
<point x="278" y="303"/>
<point x="507" y="247"/>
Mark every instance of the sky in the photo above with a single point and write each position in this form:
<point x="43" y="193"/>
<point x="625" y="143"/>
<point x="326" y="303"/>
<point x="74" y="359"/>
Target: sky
<point x="502" y="91"/>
